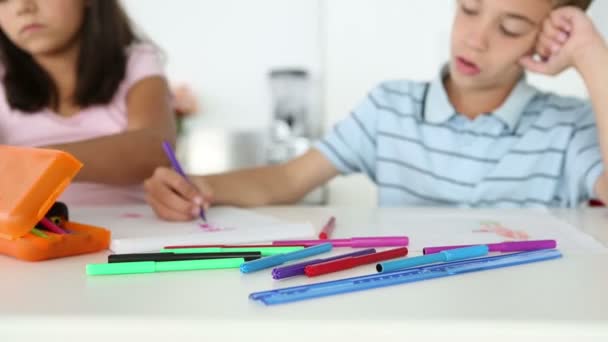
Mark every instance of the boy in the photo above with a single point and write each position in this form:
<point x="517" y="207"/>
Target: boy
<point x="477" y="136"/>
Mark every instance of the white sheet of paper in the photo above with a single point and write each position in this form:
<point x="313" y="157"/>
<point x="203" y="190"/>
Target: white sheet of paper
<point x="136" y="229"/>
<point x="427" y="227"/>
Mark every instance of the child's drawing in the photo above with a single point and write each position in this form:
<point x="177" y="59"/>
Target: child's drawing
<point x="500" y="230"/>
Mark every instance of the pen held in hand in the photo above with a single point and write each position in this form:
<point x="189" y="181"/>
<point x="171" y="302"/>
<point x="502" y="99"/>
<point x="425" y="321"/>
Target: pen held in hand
<point x="178" y="168"/>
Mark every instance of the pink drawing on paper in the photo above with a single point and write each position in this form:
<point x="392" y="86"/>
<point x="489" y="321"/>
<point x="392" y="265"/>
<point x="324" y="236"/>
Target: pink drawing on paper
<point x="500" y="230"/>
<point x="209" y="228"/>
<point x="205" y="227"/>
<point x="132" y="216"/>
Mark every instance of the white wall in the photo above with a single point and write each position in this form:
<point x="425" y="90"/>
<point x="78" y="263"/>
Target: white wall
<point x="224" y="49"/>
<point x="599" y="12"/>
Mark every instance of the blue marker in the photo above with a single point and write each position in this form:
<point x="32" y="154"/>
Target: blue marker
<point x="449" y="255"/>
<point x="275" y="260"/>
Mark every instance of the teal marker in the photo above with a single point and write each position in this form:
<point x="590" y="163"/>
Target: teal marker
<point x="275" y="260"/>
<point x="163" y="266"/>
<point x="449" y="255"/>
<point x="266" y="251"/>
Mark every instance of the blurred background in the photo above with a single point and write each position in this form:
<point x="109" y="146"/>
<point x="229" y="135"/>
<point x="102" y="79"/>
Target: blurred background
<point x="271" y="76"/>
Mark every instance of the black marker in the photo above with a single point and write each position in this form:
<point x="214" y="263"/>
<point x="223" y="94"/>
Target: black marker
<point x="116" y="258"/>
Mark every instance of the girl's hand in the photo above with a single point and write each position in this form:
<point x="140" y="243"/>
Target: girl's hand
<point x="173" y="198"/>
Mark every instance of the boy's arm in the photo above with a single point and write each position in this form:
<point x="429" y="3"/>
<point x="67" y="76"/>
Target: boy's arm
<point x="130" y="157"/>
<point x="601" y="188"/>
<point x="595" y="74"/>
<point x="278" y="184"/>
<point x="570" y="39"/>
<point x="593" y="67"/>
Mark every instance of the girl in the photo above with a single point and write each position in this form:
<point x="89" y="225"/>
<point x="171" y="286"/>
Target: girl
<point x="76" y="78"/>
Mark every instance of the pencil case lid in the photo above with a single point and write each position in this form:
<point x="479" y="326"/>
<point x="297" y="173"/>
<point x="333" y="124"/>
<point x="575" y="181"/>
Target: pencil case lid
<point x="31" y="180"/>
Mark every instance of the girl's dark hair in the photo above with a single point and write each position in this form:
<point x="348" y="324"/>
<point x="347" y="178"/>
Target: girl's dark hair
<point x="106" y="35"/>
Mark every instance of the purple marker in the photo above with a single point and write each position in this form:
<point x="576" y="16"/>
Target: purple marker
<point x="358" y="242"/>
<point x="178" y="168"/>
<point x="503" y="247"/>
<point x="298" y="269"/>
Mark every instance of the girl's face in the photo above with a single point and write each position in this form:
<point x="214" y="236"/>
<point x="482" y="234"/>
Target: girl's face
<point x="42" y="27"/>
<point x="490" y="36"/>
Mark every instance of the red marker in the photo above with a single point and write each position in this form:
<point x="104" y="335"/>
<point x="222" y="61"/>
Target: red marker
<point x="344" y="264"/>
<point x="328" y="229"/>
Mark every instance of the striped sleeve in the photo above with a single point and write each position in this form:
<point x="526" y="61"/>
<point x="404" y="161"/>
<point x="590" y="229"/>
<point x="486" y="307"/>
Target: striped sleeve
<point x="583" y="161"/>
<point x="351" y="144"/>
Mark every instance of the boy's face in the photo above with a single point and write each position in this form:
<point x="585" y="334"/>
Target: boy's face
<point x="490" y="36"/>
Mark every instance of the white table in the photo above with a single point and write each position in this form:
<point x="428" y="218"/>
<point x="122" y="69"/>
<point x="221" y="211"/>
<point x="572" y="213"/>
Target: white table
<point x="557" y="300"/>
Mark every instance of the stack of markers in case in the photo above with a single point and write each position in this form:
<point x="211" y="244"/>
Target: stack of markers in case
<point x="53" y="222"/>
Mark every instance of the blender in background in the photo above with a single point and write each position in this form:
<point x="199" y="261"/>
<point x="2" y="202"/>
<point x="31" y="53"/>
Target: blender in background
<point x="295" y="122"/>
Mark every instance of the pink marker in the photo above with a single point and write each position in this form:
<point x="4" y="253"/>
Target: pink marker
<point x="52" y="227"/>
<point x="357" y="242"/>
<point x="503" y="247"/>
<point x="328" y="229"/>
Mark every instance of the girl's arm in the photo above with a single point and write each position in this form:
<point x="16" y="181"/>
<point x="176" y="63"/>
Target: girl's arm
<point x="130" y="157"/>
<point x="271" y="185"/>
<point x="173" y="198"/>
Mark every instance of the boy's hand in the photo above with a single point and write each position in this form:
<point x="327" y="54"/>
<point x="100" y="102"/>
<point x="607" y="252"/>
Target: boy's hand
<point x="568" y="39"/>
<point x="173" y="198"/>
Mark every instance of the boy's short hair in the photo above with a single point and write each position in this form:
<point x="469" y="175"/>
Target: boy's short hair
<point x="582" y="4"/>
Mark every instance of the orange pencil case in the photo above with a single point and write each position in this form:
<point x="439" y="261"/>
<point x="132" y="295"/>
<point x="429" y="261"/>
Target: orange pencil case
<point x="31" y="180"/>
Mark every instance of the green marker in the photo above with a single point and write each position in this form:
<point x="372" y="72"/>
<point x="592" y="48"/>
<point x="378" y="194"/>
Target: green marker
<point x="39" y="233"/>
<point x="164" y="266"/>
<point x="266" y="251"/>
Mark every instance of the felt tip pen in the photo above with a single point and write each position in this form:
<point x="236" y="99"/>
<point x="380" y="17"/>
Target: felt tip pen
<point x="298" y="269"/>
<point x="328" y="229"/>
<point x="266" y="251"/>
<point x="228" y="246"/>
<point x="50" y="226"/>
<point x="116" y="258"/>
<point x="357" y="242"/>
<point x="451" y="255"/>
<point x="178" y="168"/>
<point x="165" y="266"/>
<point x="39" y="233"/>
<point x="352" y="262"/>
<point x="503" y="247"/>
<point x="275" y="260"/>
